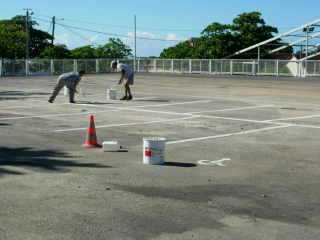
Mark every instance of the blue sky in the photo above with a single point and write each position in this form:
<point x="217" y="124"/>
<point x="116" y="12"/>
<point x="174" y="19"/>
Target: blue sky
<point x="170" y="16"/>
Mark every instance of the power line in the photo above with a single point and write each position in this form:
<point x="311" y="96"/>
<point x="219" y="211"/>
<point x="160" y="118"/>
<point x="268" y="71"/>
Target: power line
<point x="128" y="27"/>
<point x="79" y="35"/>
<point x="111" y="34"/>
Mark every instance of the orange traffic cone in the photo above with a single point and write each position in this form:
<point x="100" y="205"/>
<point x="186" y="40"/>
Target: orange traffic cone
<point x="91" y="140"/>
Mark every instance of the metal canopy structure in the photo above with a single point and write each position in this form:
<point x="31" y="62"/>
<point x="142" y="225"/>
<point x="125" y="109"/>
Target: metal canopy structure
<point x="307" y="37"/>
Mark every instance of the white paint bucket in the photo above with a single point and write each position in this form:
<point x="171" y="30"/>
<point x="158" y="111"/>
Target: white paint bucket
<point x="65" y="91"/>
<point x="112" y="94"/>
<point x="154" y="151"/>
<point x="111" y="146"/>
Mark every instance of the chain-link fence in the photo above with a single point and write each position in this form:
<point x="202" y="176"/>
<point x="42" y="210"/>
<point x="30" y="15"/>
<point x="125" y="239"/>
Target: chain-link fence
<point x="36" y="67"/>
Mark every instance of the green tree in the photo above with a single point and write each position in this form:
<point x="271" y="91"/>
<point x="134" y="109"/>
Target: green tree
<point x="39" y="40"/>
<point x="84" y="52"/>
<point x="12" y="41"/>
<point x="114" y="48"/>
<point x="13" y="36"/>
<point x="221" y="40"/>
<point x="56" y="52"/>
<point x="251" y="28"/>
<point x="180" y="51"/>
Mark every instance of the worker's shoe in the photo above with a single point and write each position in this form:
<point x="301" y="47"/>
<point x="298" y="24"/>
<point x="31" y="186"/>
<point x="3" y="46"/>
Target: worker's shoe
<point x="129" y="98"/>
<point x="50" y="101"/>
<point x="72" y="102"/>
<point x="124" y="98"/>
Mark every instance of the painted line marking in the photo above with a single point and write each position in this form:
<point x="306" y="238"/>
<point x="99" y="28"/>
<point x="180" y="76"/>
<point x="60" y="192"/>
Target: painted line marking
<point x="233" y="109"/>
<point x="227" y="135"/>
<point x="128" y="124"/>
<point x="304" y="126"/>
<point x="33" y="106"/>
<point x="150" y="105"/>
<point x="158" y="112"/>
<point x="238" y="119"/>
<point x="295" y="118"/>
<point x="57" y="115"/>
<point x="219" y="163"/>
<point x="223" y="98"/>
<point x="145" y="98"/>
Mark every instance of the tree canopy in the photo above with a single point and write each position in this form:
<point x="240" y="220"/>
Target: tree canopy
<point x="59" y="51"/>
<point x="217" y="40"/>
<point x="221" y="40"/>
<point x="114" y="48"/>
<point x="13" y="43"/>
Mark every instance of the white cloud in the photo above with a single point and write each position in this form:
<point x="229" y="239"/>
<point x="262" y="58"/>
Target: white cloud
<point x="144" y="47"/>
<point x="141" y="34"/>
<point x="171" y="37"/>
<point x="147" y="47"/>
<point x="64" y="38"/>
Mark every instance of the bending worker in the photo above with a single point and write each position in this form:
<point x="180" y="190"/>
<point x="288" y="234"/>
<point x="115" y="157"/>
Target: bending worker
<point x="70" y="80"/>
<point x="127" y="78"/>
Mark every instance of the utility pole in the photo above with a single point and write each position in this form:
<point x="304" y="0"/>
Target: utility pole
<point x="27" y="32"/>
<point x="135" y="42"/>
<point x="307" y="42"/>
<point x="53" y="29"/>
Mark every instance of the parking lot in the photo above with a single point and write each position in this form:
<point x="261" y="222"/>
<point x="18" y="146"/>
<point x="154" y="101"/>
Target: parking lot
<point x="265" y="131"/>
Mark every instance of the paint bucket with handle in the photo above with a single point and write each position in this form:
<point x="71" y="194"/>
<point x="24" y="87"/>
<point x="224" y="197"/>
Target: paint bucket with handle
<point x="112" y="93"/>
<point x="154" y="150"/>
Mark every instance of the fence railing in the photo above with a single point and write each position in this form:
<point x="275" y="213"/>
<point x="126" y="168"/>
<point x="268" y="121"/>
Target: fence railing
<point x="36" y="67"/>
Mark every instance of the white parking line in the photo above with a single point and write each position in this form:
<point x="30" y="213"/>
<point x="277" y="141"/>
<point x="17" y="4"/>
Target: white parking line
<point x="303" y="125"/>
<point x="233" y="109"/>
<point x="57" y="115"/>
<point x="227" y="135"/>
<point x="149" y="105"/>
<point x="236" y="119"/>
<point x="127" y="124"/>
<point x="31" y="106"/>
<point x="158" y="112"/>
<point x="294" y="118"/>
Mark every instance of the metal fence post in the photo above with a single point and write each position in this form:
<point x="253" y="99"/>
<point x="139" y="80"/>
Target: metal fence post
<point x="277" y="68"/>
<point x="155" y="65"/>
<point x="75" y="65"/>
<point x="253" y="68"/>
<point x="1" y="67"/>
<point x="210" y="66"/>
<point x="231" y="67"/>
<point x="172" y="66"/>
<point x="190" y="65"/>
<point x="52" y="67"/>
<point x="138" y="64"/>
<point x="27" y="67"/>
<point x="97" y="66"/>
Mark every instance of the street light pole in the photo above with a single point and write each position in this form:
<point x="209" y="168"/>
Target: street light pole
<point x="135" y="43"/>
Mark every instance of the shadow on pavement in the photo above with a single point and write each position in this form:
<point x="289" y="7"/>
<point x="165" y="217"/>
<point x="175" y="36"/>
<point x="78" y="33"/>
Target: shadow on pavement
<point x="16" y="95"/>
<point x="39" y="160"/>
<point x="153" y="100"/>
<point x="179" y="164"/>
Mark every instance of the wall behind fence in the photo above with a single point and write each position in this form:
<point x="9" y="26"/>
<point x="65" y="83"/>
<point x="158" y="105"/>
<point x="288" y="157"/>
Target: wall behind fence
<point x="38" y="67"/>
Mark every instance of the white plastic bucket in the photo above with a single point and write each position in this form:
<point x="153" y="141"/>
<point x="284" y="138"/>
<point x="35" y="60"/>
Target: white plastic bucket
<point x="154" y="151"/>
<point x="65" y="91"/>
<point x="112" y="94"/>
<point x="111" y="146"/>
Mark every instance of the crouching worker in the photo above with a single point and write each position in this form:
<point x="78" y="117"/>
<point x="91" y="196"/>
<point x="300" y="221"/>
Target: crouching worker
<point x="70" y="80"/>
<point x="127" y="78"/>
